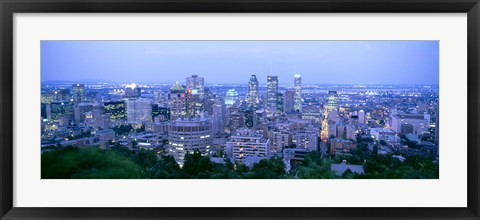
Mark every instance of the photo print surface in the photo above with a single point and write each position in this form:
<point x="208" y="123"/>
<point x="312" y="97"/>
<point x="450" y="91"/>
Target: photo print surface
<point x="239" y="110"/>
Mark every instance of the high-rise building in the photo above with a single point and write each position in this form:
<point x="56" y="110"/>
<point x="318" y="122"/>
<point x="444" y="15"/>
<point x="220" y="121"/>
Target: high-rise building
<point x="280" y="102"/>
<point x="139" y="111"/>
<point x="272" y="90"/>
<point x="249" y="119"/>
<point x="252" y="96"/>
<point x="231" y="98"/>
<point x="350" y="132"/>
<point x="78" y="93"/>
<point x="332" y="103"/>
<point x="115" y="109"/>
<point x="177" y="101"/>
<point x="420" y="122"/>
<point x="288" y="101"/>
<point x="189" y="135"/>
<point x="235" y="119"/>
<point x="62" y="112"/>
<point x="160" y="113"/>
<point x="61" y="95"/>
<point x="195" y="95"/>
<point x="279" y="140"/>
<point x="81" y="110"/>
<point x="361" y="117"/>
<point x="307" y="138"/>
<point x="312" y="113"/>
<point x="297" y="86"/>
<point x="219" y="114"/>
<point x="132" y="91"/>
<point x="247" y="143"/>
<point x="195" y="84"/>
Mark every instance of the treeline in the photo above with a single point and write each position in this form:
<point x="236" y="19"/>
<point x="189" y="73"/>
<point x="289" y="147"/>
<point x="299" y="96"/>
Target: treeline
<point x="378" y="166"/>
<point x="122" y="163"/>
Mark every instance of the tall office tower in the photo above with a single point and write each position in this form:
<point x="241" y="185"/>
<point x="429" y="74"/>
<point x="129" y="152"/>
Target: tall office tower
<point x="195" y="83"/>
<point x="132" y="91"/>
<point x="272" y="90"/>
<point x="189" y="135"/>
<point x="195" y="95"/>
<point x="61" y="112"/>
<point x="297" y="86"/>
<point x="361" y="117"/>
<point x="332" y="103"/>
<point x="116" y="110"/>
<point x="177" y="101"/>
<point x="78" y="93"/>
<point x="219" y="114"/>
<point x="235" y="119"/>
<point x="252" y="96"/>
<point x="279" y="102"/>
<point x="81" y="110"/>
<point x="160" y="113"/>
<point x="139" y="111"/>
<point x="288" y="101"/>
<point x="249" y="119"/>
<point x="231" y="98"/>
<point x="61" y="95"/>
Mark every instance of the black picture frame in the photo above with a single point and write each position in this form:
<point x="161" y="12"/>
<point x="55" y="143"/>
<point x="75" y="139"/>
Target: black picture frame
<point x="9" y="7"/>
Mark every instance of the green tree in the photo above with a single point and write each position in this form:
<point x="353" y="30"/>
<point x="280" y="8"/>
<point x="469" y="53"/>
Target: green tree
<point x="272" y="168"/>
<point x="88" y="163"/>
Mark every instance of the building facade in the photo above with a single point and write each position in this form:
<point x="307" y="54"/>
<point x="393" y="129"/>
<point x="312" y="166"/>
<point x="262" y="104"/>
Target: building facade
<point x="297" y="85"/>
<point x="189" y="135"/>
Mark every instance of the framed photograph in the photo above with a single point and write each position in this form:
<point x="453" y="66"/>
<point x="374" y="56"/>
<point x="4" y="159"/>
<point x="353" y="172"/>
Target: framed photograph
<point x="228" y="109"/>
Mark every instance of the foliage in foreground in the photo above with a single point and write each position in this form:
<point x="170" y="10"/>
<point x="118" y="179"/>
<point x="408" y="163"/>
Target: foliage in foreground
<point x="122" y="163"/>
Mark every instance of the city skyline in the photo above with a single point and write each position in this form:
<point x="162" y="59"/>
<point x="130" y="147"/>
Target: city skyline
<point x="322" y="62"/>
<point x="194" y="127"/>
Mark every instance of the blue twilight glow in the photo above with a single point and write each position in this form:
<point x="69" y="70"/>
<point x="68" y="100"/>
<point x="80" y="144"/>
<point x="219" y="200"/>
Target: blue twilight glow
<point x="318" y="62"/>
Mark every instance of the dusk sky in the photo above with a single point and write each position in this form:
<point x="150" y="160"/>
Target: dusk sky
<point x="318" y="62"/>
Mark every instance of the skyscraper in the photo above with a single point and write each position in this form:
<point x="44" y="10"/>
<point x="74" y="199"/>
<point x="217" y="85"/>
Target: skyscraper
<point x="231" y="98"/>
<point x="297" y="86"/>
<point x="177" y="103"/>
<point x="252" y="96"/>
<point x="78" y="91"/>
<point x="219" y="115"/>
<point x="139" y="111"/>
<point x="60" y="95"/>
<point x="280" y="102"/>
<point x="115" y="109"/>
<point x="332" y="103"/>
<point x="288" y="101"/>
<point x="195" y="84"/>
<point x="361" y="117"/>
<point x="272" y="90"/>
<point x="195" y="94"/>
<point x="132" y="91"/>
